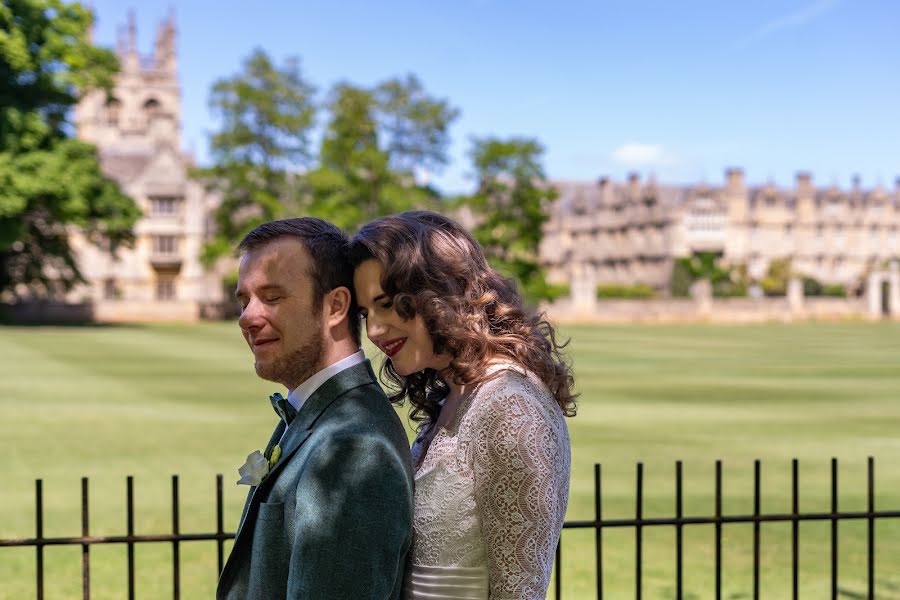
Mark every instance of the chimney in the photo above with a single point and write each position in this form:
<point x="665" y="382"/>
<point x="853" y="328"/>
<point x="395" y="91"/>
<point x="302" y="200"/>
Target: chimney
<point x="634" y="185"/>
<point x="804" y="183"/>
<point x="734" y="179"/>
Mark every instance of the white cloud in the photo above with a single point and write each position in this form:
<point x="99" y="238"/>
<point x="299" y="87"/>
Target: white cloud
<point x="798" y="18"/>
<point x="641" y="155"/>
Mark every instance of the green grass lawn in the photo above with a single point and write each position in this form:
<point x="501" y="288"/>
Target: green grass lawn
<point x="107" y="402"/>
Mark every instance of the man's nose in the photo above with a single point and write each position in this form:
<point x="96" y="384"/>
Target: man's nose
<point x="251" y="316"/>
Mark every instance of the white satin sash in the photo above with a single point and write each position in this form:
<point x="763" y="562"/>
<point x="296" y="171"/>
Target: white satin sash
<point x="445" y="583"/>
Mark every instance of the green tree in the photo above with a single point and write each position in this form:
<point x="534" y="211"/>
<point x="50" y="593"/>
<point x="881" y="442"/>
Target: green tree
<point x="415" y="126"/>
<point x="776" y="279"/>
<point x="510" y="207"/>
<point x="374" y="142"/>
<point x="48" y="180"/>
<point x="267" y="114"/>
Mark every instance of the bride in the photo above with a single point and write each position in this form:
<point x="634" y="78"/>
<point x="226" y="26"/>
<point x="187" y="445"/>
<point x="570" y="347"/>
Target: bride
<point x="489" y="389"/>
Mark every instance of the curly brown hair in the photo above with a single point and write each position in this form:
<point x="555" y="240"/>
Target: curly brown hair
<point x="432" y="267"/>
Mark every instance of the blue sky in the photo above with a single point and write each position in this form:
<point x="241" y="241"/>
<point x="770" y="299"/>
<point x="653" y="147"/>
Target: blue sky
<point x="677" y="89"/>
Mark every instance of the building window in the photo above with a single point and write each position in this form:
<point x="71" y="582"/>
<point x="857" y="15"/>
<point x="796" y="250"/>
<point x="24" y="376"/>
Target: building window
<point x="162" y="206"/>
<point x="152" y="108"/>
<point x="113" y="108"/>
<point x="110" y="289"/>
<point x="165" y="244"/>
<point x="165" y="287"/>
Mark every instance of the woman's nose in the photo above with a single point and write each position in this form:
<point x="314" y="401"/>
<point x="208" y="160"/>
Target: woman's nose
<point x="374" y="329"/>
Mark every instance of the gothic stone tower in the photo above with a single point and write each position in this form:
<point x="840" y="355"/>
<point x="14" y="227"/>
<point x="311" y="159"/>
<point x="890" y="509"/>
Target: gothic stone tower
<point x="136" y="129"/>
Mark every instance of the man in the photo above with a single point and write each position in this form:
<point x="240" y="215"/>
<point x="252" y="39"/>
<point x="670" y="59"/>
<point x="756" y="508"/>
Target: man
<point x="332" y="515"/>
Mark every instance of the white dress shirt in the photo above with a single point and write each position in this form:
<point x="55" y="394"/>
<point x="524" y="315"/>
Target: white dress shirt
<point x="297" y="397"/>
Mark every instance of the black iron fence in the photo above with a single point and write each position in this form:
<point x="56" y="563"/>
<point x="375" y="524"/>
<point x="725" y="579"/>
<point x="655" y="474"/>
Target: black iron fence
<point x="599" y="524"/>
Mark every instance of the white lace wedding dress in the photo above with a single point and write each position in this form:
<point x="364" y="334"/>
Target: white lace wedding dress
<point x="491" y="494"/>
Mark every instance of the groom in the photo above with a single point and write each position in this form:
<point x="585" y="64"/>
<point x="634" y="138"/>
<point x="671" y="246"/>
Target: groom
<point x="329" y="512"/>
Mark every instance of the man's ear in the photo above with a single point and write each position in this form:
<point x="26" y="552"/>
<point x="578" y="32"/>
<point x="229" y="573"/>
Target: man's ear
<point x="337" y="305"/>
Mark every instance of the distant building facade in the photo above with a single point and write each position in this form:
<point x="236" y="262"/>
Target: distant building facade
<point x="600" y="232"/>
<point x="137" y="133"/>
<point x="630" y="233"/>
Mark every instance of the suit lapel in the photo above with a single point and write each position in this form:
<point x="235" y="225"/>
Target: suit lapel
<point x="293" y="438"/>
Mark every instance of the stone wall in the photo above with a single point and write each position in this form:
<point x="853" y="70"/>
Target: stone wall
<point x="718" y="310"/>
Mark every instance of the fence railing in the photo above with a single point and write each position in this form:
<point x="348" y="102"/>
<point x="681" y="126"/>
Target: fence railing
<point x="680" y="521"/>
<point x="598" y="524"/>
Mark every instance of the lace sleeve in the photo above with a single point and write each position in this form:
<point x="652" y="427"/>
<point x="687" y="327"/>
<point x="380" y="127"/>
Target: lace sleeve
<point x="521" y="464"/>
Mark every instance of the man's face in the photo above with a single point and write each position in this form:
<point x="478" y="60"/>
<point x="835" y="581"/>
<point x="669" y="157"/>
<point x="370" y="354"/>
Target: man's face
<point x="282" y="325"/>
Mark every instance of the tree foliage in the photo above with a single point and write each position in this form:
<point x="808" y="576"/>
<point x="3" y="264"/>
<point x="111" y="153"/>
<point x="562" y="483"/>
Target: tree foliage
<point x="777" y="276"/>
<point x="267" y="115"/>
<point x="48" y="180"/>
<point x="374" y="142"/>
<point x="510" y="207"/>
<point x="727" y="281"/>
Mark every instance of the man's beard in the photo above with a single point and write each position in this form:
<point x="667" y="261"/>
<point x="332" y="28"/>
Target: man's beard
<point x="296" y="367"/>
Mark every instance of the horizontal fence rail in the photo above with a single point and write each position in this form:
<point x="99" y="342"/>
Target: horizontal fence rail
<point x="679" y="521"/>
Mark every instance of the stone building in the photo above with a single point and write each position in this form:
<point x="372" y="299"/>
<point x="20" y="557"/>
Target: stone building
<point x="137" y="133"/>
<point x="632" y="232"/>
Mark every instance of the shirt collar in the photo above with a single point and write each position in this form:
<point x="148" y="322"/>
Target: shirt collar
<point x="297" y="397"/>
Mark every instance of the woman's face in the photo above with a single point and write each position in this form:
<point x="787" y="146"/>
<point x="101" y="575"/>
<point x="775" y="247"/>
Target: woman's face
<point x="406" y="342"/>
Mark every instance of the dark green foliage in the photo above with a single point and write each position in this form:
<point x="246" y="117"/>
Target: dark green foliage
<point x="682" y="278"/>
<point x="511" y="207"/>
<point x="373" y="142"/>
<point x="630" y="292"/>
<point x="776" y="279"/>
<point x="49" y="181"/>
<point x="726" y="281"/>
<point x="811" y="287"/>
<point x="267" y="115"/>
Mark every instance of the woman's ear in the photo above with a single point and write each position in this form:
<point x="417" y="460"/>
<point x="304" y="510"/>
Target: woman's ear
<point x="337" y="305"/>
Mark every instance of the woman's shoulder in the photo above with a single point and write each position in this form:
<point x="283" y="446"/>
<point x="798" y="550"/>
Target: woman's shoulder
<point x="509" y="383"/>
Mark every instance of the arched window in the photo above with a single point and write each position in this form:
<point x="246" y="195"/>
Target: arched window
<point x="152" y="108"/>
<point x="113" y="110"/>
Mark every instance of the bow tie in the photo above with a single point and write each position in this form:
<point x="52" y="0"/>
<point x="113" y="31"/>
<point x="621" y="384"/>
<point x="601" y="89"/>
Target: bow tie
<point x="283" y="408"/>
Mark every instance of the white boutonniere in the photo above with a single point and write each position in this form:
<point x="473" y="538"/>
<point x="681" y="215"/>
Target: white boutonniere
<point x="257" y="466"/>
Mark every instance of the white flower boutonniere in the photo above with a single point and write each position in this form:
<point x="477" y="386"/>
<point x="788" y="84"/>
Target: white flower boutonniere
<point x="254" y="470"/>
<point x="258" y="465"/>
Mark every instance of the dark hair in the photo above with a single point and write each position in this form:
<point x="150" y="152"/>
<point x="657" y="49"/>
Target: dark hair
<point x="326" y="245"/>
<point x="432" y="267"/>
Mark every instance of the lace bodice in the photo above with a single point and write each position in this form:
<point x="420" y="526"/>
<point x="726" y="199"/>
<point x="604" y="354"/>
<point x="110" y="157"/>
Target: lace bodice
<point x="492" y="489"/>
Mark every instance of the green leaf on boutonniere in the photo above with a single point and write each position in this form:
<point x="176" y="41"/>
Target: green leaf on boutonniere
<point x="275" y="455"/>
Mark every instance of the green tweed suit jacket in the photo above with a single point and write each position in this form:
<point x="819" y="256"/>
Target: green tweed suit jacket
<point x="333" y="519"/>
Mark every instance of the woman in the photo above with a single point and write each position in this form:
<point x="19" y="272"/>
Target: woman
<point x="489" y="389"/>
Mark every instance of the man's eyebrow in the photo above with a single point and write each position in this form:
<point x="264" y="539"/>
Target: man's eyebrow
<point x="380" y="297"/>
<point x="265" y="288"/>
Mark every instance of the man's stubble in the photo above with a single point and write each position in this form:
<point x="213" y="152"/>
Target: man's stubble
<point x="297" y="366"/>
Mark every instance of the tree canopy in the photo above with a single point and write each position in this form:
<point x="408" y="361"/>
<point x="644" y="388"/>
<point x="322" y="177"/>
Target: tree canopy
<point x="50" y="181"/>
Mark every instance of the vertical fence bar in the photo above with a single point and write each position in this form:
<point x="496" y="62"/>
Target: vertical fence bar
<point x="795" y="530"/>
<point x="176" y="567"/>
<point x="718" y="530"/>
<point x="558" y="580"/>
<point x="39" y="531"/>
<point x="871" y="506"/>
<point x="598" y="531"/>
<point x="834" y="529"/>
<point x="85" y="548"/>
<point x="756" y="485"/>
<point x="639" y="532"/>
<point x="129" y="512"/>
<point x="220" y="543"/>
<point x="679" y="539"/>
